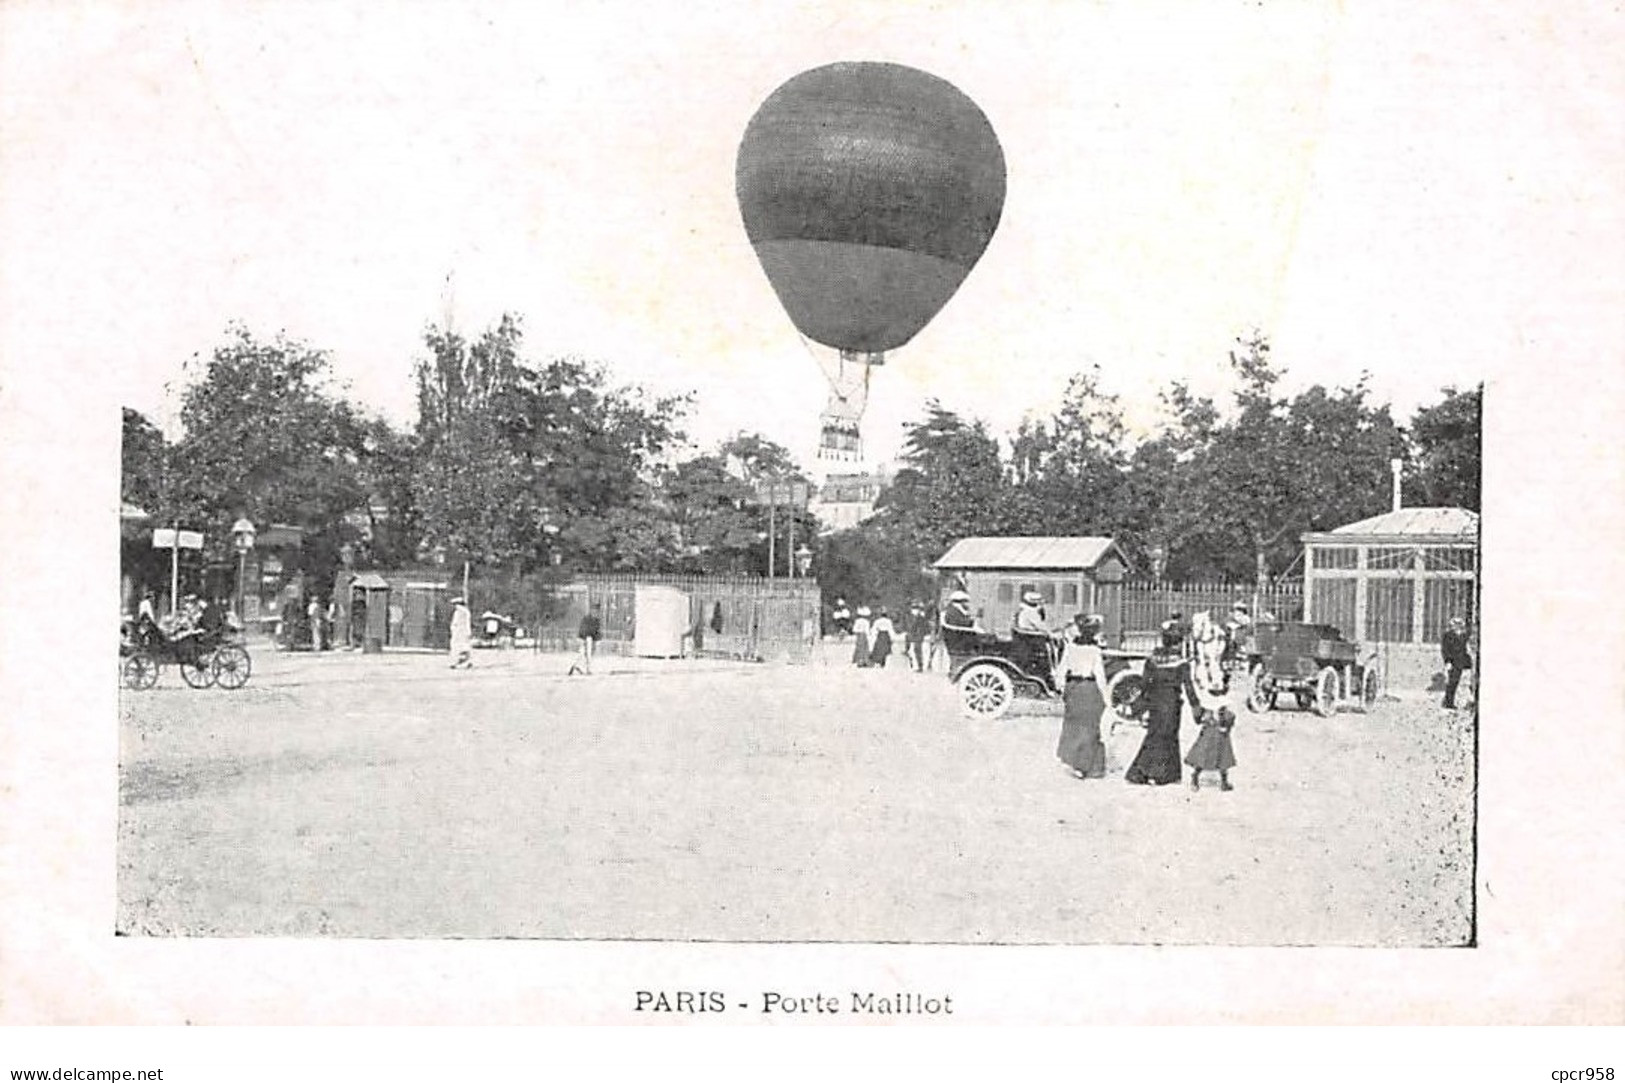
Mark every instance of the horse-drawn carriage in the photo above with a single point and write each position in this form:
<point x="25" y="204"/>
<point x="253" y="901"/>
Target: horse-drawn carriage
<point x="1313" y="662"/>
<point x="204" y="657"/>
<point x="992" y="672"/>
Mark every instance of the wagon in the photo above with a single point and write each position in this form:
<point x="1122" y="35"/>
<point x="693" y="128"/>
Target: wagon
<point x="203" y="658"/>
<point x="991" y="672"/>
<point x="1315" y="663"/>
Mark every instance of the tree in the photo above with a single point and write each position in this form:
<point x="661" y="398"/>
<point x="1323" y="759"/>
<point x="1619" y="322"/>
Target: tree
<point x="1447" y="441"/>
<point x="265" y="436"/>
<point x="141" y="460"/>
<point x="517" y="463"/>
<point x="1248" y="487"/>
<point x="952" y="484"/>
<point x="1070" y="470"/>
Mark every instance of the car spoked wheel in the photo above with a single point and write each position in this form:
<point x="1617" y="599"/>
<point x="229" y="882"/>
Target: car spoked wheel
<point x="1123" y="696"/>
<point x="1369" y="689"/>
<point x="985" y="691"/>
<point x="1326" y="691"/>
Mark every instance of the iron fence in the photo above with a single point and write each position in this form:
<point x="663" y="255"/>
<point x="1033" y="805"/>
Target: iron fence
<point x="1147" y="604"/>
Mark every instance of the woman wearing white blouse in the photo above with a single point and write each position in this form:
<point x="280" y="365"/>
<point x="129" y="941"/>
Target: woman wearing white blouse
<point x="1082" y="675"/>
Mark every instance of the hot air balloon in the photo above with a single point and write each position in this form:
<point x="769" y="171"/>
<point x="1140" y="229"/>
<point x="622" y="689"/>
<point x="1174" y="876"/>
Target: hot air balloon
<point x="868" y="191"/>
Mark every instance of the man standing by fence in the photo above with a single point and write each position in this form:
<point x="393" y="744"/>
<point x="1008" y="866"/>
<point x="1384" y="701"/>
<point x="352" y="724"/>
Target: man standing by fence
<point x="1453" y="646"/>
<point x="589" y="633"/>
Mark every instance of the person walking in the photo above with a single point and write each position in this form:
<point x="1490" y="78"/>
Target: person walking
<point x="916" y="632"/>
<point x="860" y="638"/>
<point x="462" y="635"/>
<point x="588" y="633"/>
<point x="1082" y="675"/>
<point x="1167" y="687"/>
<point x="1214" y="713"/>
<point x="313" y="613"/>
<point x="881" y="633"/>
<point x="840" y="618"/>
<point x="1457" y="658"/>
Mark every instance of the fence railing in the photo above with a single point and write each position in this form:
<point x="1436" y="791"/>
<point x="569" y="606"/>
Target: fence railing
<point x="729" y="615"/>
<point x="1147" y="604"/>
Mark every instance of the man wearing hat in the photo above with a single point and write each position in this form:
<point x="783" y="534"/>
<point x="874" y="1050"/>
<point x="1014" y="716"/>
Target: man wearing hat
<point x="462" y="635"/>
<point x="1030" y="635"/>
<point x="1453" y="646"/>
<point x="915" y="632"/>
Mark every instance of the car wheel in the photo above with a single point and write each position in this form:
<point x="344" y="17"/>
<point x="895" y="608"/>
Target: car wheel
<point x="1123" y="694"/>
<point x="1327" y="689"/>
<point x="985" y="691"/>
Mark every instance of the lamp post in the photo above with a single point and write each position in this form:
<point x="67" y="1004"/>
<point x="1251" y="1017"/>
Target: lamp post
<point x="242" y="536"/>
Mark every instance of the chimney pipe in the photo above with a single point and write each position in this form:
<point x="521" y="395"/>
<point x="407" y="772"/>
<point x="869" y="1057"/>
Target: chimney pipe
<point x="1395" y="465"/>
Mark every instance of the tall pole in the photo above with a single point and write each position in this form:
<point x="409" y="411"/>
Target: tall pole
<point x="242" y="562"/>
<point x="790" y="549"/>
<point x="772" y="527"/>
<point x="174" y="569"/>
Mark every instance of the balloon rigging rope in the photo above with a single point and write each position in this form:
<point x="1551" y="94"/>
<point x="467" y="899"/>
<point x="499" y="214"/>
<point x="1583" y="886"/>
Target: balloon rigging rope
<point x="834" y="383"/>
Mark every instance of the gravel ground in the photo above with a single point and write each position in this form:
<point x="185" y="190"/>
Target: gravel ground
<point x="368" y="796"/>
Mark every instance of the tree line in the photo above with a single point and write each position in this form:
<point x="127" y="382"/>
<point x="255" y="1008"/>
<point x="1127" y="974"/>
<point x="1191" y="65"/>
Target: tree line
<point x="521" y="467"/>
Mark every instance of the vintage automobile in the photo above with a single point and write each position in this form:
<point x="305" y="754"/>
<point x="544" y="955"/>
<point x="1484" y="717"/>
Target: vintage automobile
<point x="1314" y="662"/>
<point x="991" y="672"/>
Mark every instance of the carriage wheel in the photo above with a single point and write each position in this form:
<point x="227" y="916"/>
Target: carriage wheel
<point x="985" y="691"/>
<point x="1327" y="689"/>
<point x="139" y="671"/>
<point x="1369" y="689"/>
<point x="1123" y="694"/>
<point x="200" y="675"/>
<point x="231" y="667"/>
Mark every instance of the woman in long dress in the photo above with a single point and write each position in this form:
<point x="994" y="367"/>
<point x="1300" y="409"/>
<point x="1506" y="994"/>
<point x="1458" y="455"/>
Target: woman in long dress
<point x="1082" y="673"/>
<point x="462" y="635"/>
<point x="1167" y="687"/>
<point x="881" y="633"/>
<point x="860" y="638"/>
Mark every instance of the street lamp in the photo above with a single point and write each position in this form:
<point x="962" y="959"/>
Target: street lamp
<point x="242" y="536"/>
<point x="803" y="560"/>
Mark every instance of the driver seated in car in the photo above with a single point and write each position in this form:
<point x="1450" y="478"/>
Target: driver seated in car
<point x="1030" y="636"/>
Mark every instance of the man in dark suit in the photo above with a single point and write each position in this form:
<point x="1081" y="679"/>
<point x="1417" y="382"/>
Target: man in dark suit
<point x="1453" y="646"/>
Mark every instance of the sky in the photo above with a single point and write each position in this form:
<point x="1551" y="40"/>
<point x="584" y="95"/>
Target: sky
<point x="1376" y="188"/>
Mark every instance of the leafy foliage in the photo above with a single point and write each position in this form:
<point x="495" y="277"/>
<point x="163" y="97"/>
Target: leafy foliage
<point x="518" y="463"/>
<point x="1447" y="439"/>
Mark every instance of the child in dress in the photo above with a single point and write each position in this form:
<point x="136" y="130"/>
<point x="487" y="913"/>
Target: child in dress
<point x="1212" y="750"/>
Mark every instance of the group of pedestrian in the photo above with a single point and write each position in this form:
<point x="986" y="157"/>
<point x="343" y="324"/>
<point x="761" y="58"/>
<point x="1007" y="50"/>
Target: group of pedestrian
<point x="875" y="635"/>
<point x="1169" y="684"/>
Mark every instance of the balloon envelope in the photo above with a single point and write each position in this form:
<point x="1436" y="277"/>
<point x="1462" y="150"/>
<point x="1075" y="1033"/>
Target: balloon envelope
<point x="868" y="191"/>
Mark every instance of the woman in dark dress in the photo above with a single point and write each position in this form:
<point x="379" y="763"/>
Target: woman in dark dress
<point x="1082" y="674"/>
<point x="1167" y="686"/>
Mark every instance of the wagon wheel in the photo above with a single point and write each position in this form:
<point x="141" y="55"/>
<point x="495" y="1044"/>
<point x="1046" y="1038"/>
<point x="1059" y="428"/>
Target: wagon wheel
<point x="1328" y="687"/>
<point x="1260" y="691"/>
<point x="198" y="673"/>
<point x="139" y="671"/>
<point x="1123" y="694"/>
<point x="1369" y="689"/>
<point x="985" y="691"/>
<point x="231" y="667"/>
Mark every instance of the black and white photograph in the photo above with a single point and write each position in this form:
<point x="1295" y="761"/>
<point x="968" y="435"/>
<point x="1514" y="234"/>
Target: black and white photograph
<point x="654" y="483"/>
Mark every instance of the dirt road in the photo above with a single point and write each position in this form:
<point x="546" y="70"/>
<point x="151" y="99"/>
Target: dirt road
<point x="390" y="797"/>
